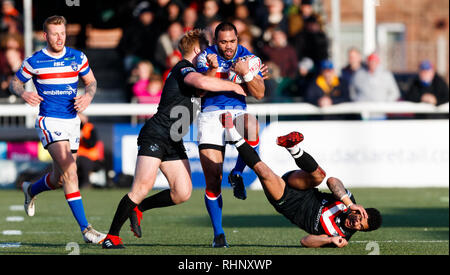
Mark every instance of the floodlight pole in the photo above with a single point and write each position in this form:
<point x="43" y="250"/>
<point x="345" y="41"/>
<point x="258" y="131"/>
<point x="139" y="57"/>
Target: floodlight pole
<point x="369" y="26"/>
<point x="28" y="32"/>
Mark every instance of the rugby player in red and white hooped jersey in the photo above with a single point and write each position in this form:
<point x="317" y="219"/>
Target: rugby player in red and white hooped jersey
<point x="330" y="219"/>
<point x="55" y="71"/>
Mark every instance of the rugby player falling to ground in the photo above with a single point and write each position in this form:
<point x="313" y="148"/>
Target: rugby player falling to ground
<point x="330" y="219"/>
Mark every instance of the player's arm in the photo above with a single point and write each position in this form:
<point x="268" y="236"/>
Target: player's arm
<point x="340" y="193"/>
<point x="90" y="84"/>
<point x="16" y="86"/>
<point x="315" y="241"/>
<point x="212" y="84"/>
<point x="255" y="84"/>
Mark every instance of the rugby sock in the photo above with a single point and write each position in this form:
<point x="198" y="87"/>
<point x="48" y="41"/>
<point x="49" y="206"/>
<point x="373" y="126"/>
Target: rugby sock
<point x="43" y="184"/>
<point x="214" y="205"/>
<point x="303" y="160"/>
<point x="126" y="205"/>
<point x="161" y="199"/>
<point x="246" y="152"/>
<point x="76" y="205"/>
<point x="240" y="164"/>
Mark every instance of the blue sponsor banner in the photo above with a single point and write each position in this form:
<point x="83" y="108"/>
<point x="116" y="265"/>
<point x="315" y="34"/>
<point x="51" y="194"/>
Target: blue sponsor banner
<point x="3" y="150"/>
<point x="125" y="152"/>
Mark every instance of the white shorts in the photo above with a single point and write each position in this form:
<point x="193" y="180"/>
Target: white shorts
<point x="52" y="129"/>
<point x="211" y="133"/>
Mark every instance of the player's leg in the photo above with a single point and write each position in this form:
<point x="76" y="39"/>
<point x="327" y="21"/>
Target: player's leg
<point x="144" y="179"/>
<point x="178" y="174"/>
<point x="212" y="165"/>
<point x="273" y="185"/>
<point x="247" y="125"/>
<point x="311" y="174"/>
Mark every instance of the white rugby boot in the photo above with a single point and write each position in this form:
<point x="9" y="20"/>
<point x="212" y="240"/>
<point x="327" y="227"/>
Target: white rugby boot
<point x="28" y="205"/>
<point x="90" y="235"/>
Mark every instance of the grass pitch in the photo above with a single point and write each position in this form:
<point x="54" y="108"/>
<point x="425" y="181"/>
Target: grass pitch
<point x="416" y="222"/>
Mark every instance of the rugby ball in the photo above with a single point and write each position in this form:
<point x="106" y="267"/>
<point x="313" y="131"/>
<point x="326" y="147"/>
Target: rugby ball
<point x="254" y="65"/>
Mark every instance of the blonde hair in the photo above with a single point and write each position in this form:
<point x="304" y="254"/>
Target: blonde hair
<point x="190" y="39"/>
<point x="54" y="20"/>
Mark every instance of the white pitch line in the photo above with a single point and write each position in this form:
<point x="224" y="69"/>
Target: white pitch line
<point x="11" y="232"/>
<point x="404" y="241"/>
<point x="16" y="207"/>
<point x="10" y="245"/>
<point x="15" y="219"/>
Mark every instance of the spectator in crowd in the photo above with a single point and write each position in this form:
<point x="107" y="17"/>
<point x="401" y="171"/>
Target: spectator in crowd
<point x="305" y="76"/>
<point x="374" y="84"/>
<point x="312" y="42"/>
<point x="189" y="18"/>
<point x="171" y="61"/>
<point x="143" y="71"/>
<point x="138" y="39"/>
<point x="428" y="86"/>
<point x="11" y="57"/>
<point x="298" y="12"/>
<point x="10" y="18"/>
<point x="273" y="19"/>
<point x="209" y="14"/>
<point x="281" y="53"/>
<point x="90" y="153"/>
<point x="167" y="43"/>
<point x="327" y="89"/>
<point x="354" y="64"/>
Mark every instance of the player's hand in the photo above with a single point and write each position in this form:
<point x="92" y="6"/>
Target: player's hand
<point x="212" y="61"/>
<point x="339" y="241"/>
<point x="265" y="71"/>
<point x="240" y="90"/>
<point x="32" y="98"/>
<point x="82" y="102"/>
<point x="241" y="67"/>
<point x="360" y="209"/>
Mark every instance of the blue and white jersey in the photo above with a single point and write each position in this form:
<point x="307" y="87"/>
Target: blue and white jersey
<point x="56" y="80"/>
<point x="226" y="99"/>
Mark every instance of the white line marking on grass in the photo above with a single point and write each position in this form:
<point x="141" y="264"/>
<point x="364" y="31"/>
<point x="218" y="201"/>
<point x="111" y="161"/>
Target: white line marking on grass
<point x="12" y="232"/>
<point x="404" y="241"/>
<point x="9" y="245"/>
<point x="16" y="208"/>
<point x="14" y="219"/>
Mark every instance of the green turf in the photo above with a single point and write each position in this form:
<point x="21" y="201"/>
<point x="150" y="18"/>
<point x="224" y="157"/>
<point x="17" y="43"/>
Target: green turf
<point x="415" y="222"/>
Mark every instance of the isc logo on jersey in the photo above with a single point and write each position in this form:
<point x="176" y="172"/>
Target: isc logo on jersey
<point x="254" y="65"/>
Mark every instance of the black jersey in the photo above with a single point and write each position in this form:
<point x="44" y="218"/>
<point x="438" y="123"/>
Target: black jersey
<point x="176" y="107"/>
<point x="314" y="211"/>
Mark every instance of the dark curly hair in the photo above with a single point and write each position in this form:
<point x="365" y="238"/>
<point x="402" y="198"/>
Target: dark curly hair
<point x="375" y="220"/>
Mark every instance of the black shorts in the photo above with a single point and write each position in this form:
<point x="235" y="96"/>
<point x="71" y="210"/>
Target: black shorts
<point x="165" y="150"/>
<point x="293" y="202"/>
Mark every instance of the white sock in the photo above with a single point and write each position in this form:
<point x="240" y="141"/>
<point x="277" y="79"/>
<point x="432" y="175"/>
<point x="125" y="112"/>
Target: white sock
<point x="234" y="136"/>
<point x="295" y="151"/>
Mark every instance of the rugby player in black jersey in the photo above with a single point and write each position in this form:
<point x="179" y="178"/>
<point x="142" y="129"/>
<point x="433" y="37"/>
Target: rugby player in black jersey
<point x="330" y="219"/>
<point x="160" y="144"/>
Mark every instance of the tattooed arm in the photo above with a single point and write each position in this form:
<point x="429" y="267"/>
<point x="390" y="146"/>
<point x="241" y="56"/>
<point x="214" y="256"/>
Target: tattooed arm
<point x="17" y="87"/>
<point x="83" y="101"/>
<point x="340" y="193"/>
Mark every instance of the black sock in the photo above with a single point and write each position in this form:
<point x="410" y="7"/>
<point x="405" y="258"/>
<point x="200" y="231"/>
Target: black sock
<point x="247" y="153"/>
<point x="126" y="205"/>
<point x="306" y="162"/>
<point x="161" y="199"/>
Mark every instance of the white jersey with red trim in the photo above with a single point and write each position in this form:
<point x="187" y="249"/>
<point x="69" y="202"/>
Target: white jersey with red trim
<point x="55" y="79"/>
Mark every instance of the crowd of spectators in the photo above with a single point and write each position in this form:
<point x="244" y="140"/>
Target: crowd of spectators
<point x="288" y="35"/>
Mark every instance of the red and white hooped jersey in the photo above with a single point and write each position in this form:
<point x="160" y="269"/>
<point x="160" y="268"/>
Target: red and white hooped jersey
<point x="55" y="79"/>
